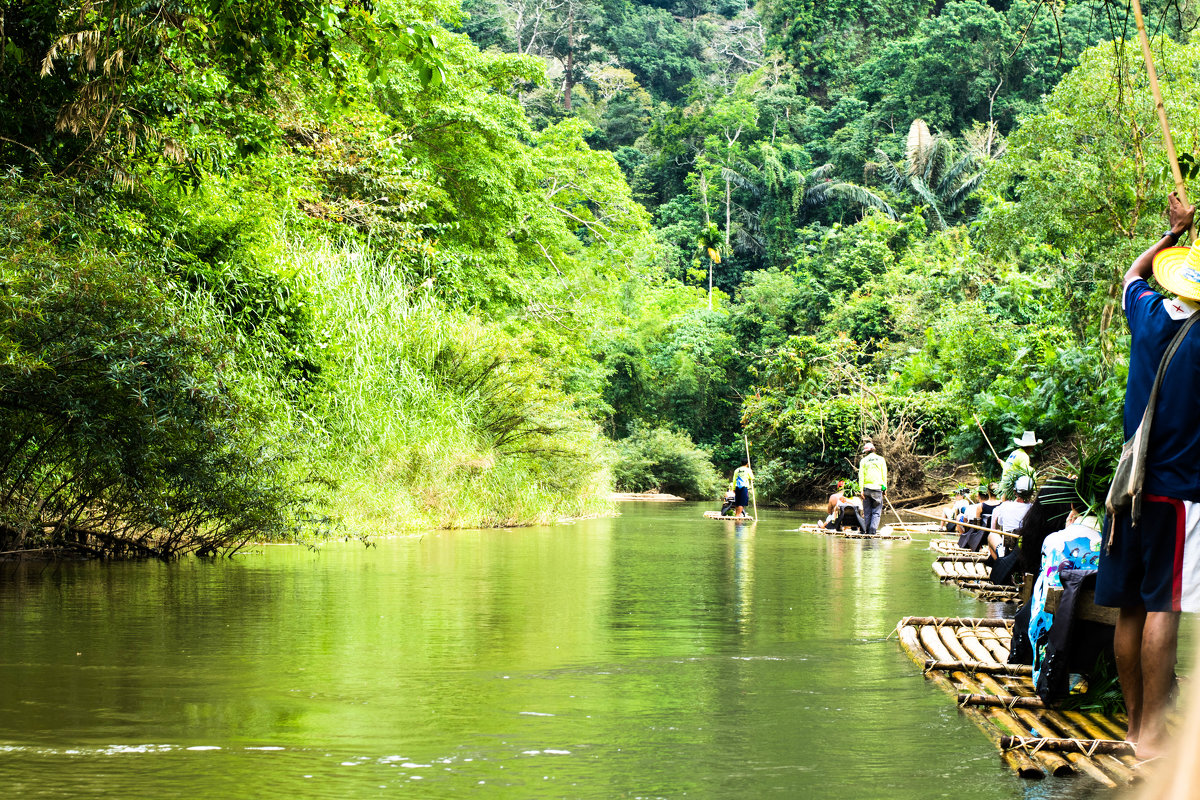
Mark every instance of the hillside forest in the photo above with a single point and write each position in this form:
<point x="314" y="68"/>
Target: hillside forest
<point x="283" y="269"/>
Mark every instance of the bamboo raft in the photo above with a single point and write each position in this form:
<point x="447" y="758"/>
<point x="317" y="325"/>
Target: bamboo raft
<point x="966" y="570"/>
<point x="967" y="658"/>
<point x="885" y="532"/>
<point x="718" y="515"/>
<point x="949" y="547"/>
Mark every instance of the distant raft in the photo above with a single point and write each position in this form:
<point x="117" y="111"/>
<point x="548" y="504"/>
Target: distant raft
<point x="886" y="532"/>
<point x="967" y="657"/>
<point x="719" y="515"/>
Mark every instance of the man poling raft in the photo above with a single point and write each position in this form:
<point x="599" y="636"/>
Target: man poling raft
<point x="872" y="477"/>
<point x="741" y="484"/>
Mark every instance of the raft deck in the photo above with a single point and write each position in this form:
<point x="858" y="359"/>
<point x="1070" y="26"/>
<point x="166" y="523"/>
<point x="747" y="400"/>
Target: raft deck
<point x="719" y="515"/>
<point x="967" y="657"/>
<point x="885" y="532"/>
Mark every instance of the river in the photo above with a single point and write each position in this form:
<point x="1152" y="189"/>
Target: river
<point x="652" y="655"/>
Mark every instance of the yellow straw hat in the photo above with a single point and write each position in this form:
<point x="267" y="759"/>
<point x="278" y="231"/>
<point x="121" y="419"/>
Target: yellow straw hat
<point x="1177" y="270"/>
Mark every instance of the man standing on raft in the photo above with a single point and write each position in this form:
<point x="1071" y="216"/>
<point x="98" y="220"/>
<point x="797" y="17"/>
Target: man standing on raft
<point x="1151" y="570"/>
<point x="742" y="483"/>
<point x="1020" y="458"/>
<point x="872" y="477"/>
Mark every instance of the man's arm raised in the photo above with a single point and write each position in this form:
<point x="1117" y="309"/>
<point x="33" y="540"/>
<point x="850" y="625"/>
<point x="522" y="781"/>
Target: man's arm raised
<point x="1180" y="216"/>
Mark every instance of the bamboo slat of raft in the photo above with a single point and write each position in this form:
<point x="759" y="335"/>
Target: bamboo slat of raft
<point x="1077" y="746"/>
<point x="1040" y="733"/>
<point x="975" y="647"/>
<point x="1000" y="701"/>
<point x="1078" y="726"/>
<point x="1017" y="760"/>
<point x="933" y="644"/>
<point x="1110" y="762"/>
<point x="1024" y="765"/>
<point x="965" y="555"/>
<point x="999" y="651"/>
<point x="1003" y="719"/>
<point x="950" y="638"/>
<point x="1109" y="728"/>
<point x="1042" y="727"/>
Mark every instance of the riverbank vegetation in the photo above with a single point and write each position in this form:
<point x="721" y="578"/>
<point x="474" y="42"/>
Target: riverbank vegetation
<point x="278" y="269"/>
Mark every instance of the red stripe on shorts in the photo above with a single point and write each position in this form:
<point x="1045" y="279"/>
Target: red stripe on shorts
<point x="1177" y="567"/>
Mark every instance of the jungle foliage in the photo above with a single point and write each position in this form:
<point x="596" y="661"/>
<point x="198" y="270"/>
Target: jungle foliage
<point x="275" y="268"/>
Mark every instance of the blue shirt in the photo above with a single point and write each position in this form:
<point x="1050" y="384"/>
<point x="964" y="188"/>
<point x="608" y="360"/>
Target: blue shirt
<point x="1173" y="460"/>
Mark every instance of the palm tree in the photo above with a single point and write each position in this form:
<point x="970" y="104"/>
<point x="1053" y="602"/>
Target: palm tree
<point x="934" y="171"/>
<point x="710" y="244"/>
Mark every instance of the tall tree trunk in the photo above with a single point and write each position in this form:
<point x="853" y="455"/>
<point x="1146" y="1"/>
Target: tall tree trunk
<point x="569" y="79"/>
<point x="727" y="204"/>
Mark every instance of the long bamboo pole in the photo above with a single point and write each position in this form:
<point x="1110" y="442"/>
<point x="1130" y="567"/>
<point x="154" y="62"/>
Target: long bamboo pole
<point x="1148" y="57"/>
<point x="989" y="441"/>
<point x="753" y="488"/>
<point x="964" y="524"/>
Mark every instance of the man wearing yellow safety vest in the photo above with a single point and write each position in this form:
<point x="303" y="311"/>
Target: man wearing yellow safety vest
<point x="743" y="481"/>
<point x="872" y="477"/>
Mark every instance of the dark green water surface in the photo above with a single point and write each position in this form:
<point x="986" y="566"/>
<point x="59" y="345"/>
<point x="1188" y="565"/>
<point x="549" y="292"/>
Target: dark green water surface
<point x="651" y="655"/>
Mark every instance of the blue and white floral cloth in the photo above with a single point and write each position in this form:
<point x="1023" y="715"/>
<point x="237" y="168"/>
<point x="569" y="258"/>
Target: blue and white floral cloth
<point x="1078" y="547"/>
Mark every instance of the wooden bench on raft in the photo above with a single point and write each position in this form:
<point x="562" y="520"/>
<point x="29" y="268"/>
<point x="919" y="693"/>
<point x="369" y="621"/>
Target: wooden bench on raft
<point x="1086" y="608"/>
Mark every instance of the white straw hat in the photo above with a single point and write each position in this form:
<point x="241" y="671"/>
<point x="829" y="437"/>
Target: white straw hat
<point x="1028" y="440"/>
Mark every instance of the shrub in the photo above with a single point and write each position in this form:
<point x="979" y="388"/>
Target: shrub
<point x="664" y="460"/>
<point x="126" y="432"/>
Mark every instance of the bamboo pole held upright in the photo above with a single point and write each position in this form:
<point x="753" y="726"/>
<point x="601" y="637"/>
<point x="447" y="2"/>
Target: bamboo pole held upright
<point x="1148" y="57"/>
<point x="753" y="488"/>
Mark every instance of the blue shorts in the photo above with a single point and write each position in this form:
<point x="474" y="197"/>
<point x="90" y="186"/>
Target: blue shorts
<point x="1156" y="563"/>
<point x="741" y="496"/>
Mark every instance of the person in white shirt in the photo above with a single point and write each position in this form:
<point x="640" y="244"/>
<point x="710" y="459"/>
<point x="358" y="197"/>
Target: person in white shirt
<point x="1008" y="515"/>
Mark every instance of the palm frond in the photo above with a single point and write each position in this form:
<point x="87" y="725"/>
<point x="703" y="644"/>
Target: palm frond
<point x="851" y="191"/>
<point x="953" y="176"/>
<point x="921" y="189"/>
<point x="820" y="173"/>
<point x="916" y="148"/>
<point x="959" y="196"/>
<point x="888" y="170"/>
<point x="741" y="181"/>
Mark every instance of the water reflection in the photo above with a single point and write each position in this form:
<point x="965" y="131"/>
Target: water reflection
<point x="656" y="654"/>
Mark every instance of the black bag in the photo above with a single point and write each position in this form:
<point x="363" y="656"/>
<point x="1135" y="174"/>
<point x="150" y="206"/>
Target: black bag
<point x="1020" y="650"/>
<point x="1125" y="493"/>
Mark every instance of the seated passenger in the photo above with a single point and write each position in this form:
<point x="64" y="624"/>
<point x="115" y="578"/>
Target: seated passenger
<point x="1007" y="516"/>
<point x="980" y="516"/>
<point x="954" y="512"/>
<point x="1077" y="546"/>
<point x="835" y="498"/>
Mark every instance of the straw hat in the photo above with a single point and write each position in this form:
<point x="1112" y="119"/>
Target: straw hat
<point x="1029" y="439"/>
<point x="1177" y="270"/>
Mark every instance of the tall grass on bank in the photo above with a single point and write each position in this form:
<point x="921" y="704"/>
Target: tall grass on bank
<point x="433" y="419"/>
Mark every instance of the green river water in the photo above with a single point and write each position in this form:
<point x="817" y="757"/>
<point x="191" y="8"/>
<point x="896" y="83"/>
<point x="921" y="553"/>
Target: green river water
<point x="650" y="655"/>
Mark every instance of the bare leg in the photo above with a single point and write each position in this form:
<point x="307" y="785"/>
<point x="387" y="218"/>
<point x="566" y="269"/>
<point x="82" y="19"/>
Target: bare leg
<point x="1160" y="639"/>
<point x="994" y="541"/>
<point x="1127" y="644"/>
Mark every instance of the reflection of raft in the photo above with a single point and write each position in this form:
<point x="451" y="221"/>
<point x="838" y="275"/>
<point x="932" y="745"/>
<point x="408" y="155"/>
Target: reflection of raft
<point x="719" y="515"/>
<point x="886" y="532"/>
<point x="966" y="657"/>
